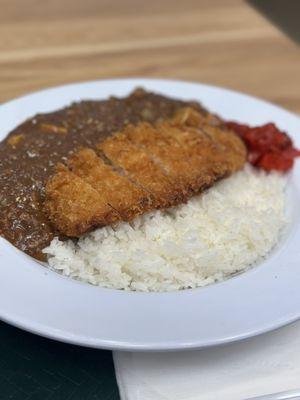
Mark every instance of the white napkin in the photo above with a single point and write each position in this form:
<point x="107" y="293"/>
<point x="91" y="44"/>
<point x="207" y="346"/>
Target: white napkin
<point x="265" y="364"/>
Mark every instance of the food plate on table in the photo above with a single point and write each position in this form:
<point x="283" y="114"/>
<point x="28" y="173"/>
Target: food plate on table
<point x="142" y="214"/>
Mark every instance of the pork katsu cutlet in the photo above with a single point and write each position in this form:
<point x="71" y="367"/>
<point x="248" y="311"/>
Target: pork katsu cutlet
<point x="142" y="168"/>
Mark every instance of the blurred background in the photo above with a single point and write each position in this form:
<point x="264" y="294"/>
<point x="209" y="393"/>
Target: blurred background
<point x="243" y="45"/>
<point x="249" y="46"/>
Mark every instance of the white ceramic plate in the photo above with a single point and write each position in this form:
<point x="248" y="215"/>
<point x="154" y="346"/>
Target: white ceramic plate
<point x="262" y="299"/>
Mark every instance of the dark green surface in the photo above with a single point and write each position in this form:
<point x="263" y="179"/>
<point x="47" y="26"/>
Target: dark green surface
<point x="34" y="368"/>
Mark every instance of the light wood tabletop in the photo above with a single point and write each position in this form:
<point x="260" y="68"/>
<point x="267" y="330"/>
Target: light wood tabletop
<point x="221" y="42"/>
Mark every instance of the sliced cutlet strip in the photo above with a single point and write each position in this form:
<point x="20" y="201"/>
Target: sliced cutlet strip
<point x="142" y="169"/>
<point x="73" y="206"/>
<point x="207" y="161"/>
<point x="118" y="191"/>
<point x="229" y="145"/>
<point x="170" y="153"/>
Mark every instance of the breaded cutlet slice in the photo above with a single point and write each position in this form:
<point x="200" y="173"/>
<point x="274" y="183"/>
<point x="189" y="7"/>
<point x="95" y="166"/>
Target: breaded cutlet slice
<point x="141" y="169"/>
<point x="215" y="148"/>
<point x="171" y="155"/>
<point x="206" y="161"/>
<point x="74" y="206"/>
<point x="117" y="190"/>
<point x="230" y="145"/>
<point x="227" y="143"/>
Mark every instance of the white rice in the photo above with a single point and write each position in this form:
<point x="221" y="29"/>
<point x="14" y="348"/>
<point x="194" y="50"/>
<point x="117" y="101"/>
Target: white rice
<point x="226" y="230"/>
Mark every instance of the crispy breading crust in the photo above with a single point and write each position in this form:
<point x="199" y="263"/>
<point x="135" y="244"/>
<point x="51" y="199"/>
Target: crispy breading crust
<point x="227" y="143"/>
<point x="205" y="163"/>
<point x="228" y="146"/>
<point x="74" y="206"/>
<point x="165" y="150"/>
<point x="126" y="198"/>
<point x="142" y="168"/>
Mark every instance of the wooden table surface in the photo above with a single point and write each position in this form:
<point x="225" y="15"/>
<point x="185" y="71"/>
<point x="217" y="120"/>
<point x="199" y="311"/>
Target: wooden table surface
<point x="221" y="42"/>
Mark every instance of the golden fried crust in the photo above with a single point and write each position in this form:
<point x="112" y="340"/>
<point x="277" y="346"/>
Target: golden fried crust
<point x="171" y="155"/>
<point x="230" y="145"/>
<point x="205" y="162"/>
<point x="126" y="198"/>
<point x="74" y="206"/>
<point x="164" y="149"/>
<point x="142" y="169"/>
<point x="227" y="144"/>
